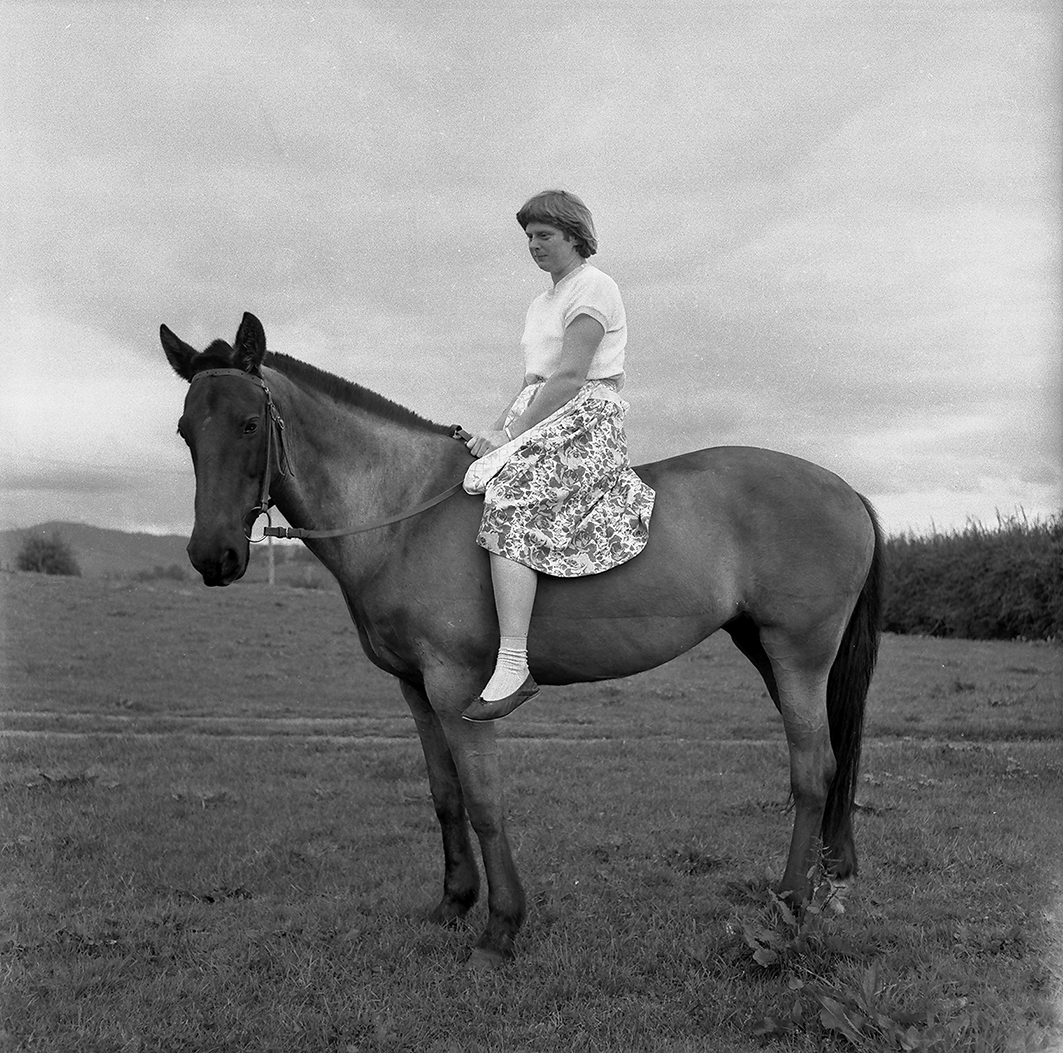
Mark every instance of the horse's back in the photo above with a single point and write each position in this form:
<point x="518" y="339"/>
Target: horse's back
<point x="756" y="499"/>
<point x="736" y="531"/>
<point x="750" y="471"/>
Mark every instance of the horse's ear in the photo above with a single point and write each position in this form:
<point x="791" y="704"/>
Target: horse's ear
<point x="250" y="346"/>
<point x="178" y="353"/>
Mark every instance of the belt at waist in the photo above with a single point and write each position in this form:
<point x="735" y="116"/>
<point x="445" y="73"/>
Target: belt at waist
<point x="614" y="382"/>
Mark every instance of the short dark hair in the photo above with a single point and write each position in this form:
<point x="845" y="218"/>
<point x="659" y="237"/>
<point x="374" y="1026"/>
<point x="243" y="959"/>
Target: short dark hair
<point x="565" y="211"/>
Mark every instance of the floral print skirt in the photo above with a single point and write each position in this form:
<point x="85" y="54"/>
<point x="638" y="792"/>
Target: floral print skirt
<point x="562" y="498"/>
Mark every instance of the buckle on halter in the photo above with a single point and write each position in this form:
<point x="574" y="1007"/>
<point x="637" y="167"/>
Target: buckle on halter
<point x="258" y="514"/>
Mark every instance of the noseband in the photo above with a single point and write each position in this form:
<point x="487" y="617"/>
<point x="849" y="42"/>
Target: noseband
<point x="275" y="436"/>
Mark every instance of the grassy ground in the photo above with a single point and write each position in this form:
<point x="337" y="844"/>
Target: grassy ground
<point x="215" y="834"/>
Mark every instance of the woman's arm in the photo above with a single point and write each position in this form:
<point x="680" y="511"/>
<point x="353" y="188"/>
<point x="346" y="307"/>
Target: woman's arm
<point x="582" y="337"/>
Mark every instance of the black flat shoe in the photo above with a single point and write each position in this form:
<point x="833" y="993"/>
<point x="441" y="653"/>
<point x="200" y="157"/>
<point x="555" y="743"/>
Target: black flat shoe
<point x="481" y="712"/>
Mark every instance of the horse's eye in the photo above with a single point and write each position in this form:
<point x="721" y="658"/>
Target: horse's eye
<point x="251" y="426"/>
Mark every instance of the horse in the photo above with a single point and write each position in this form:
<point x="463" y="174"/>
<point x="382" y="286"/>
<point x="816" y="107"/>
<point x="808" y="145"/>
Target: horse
<point x="780" y="553"/>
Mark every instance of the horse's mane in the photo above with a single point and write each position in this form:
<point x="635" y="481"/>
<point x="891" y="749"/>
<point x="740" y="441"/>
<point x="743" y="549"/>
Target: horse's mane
<point x="347" y="392"/>
<point x="219" y="355"/>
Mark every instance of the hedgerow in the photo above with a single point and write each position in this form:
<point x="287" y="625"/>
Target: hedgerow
<point x="981" y="583"/>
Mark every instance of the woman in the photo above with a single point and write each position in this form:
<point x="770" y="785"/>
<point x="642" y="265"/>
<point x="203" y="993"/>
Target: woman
<point x="560" y="495"/>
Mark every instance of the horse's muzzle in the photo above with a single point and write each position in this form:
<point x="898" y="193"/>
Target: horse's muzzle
<point x="219" y="565"/>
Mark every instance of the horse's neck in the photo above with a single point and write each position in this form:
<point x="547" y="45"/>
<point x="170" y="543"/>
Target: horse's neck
<point x="350" y="464"/>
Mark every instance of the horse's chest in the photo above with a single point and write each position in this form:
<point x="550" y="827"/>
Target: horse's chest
<point x="385" y="647"/>
<point x="411" y="638"/>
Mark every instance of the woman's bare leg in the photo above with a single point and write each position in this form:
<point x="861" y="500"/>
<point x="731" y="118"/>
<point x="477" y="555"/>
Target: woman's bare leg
<point x="514" y="586"/>
<point x="510" y="684"/>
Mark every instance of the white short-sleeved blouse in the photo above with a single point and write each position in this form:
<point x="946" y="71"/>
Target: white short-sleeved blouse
<point x="585" y="291"/>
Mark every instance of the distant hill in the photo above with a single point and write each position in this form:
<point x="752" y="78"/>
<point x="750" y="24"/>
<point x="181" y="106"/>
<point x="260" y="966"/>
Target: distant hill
<point x="100" y="552"/>
<point x="103" y="553"/>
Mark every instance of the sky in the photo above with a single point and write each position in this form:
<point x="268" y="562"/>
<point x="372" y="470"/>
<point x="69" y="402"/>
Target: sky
<point x="836" y="228"/>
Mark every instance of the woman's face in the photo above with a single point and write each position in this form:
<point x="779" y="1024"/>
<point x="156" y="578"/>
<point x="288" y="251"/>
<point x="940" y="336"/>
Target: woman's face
<point x="551" y="249"/>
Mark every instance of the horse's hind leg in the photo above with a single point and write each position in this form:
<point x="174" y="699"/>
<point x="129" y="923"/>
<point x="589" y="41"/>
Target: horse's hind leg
<point x="803" y="700"/>
<point x="461" y="878"/>
<point x="799" y="674"/>
<point x="811" y="770"/>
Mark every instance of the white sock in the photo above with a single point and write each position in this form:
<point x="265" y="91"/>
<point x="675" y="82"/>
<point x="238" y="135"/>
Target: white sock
<point x="511" y="669"/>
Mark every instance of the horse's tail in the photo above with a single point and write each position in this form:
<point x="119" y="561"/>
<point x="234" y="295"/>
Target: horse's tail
<point x="847" y="687"/>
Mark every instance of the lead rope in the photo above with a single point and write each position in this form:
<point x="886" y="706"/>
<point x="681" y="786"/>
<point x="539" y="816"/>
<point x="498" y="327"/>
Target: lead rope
<point x="300" y="533"/>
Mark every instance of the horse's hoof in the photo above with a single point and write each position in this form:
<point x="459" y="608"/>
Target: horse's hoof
<point x="484" y="960"/>
<point x="449" y="913"/>
<point x="444" y="918"/>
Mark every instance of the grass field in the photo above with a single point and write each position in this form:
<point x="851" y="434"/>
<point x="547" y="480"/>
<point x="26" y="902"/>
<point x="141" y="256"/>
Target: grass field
<point x="215" y="834"/>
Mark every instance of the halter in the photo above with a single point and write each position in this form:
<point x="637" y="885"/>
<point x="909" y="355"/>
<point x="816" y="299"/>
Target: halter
<point x="265" y="502"/>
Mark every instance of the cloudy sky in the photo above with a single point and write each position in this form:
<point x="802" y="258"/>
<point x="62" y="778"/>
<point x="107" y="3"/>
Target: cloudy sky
<point x="836" y="227"/>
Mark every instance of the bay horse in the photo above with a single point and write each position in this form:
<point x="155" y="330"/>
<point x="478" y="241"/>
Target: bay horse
<point x="780" y="553"/>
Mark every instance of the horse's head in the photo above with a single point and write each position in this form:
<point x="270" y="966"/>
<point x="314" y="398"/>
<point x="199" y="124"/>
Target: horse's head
<point x="226" y="424"/>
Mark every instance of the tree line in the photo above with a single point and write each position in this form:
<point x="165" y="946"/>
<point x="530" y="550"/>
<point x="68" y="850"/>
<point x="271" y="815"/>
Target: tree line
<point x="1003" y="582"/>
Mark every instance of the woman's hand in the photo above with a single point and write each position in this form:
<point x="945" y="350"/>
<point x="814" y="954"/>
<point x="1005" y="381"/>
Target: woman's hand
<point x="484" y="442"/>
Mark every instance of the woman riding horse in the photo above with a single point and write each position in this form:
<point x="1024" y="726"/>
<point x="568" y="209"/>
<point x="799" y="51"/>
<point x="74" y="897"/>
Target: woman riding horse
<point x="560" y="497"/>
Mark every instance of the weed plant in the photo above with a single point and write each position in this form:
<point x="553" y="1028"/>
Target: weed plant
<point x="856" y="1004"/>
<point x="980" y="583"/>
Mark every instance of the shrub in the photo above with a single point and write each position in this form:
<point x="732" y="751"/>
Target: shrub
<point x="980" y="583"/>
<point x="48" y="555"/>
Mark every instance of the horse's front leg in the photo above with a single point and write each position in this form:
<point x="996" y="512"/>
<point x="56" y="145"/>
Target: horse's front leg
<point x="474" y="749"/>
<point x="461" y="878"/>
